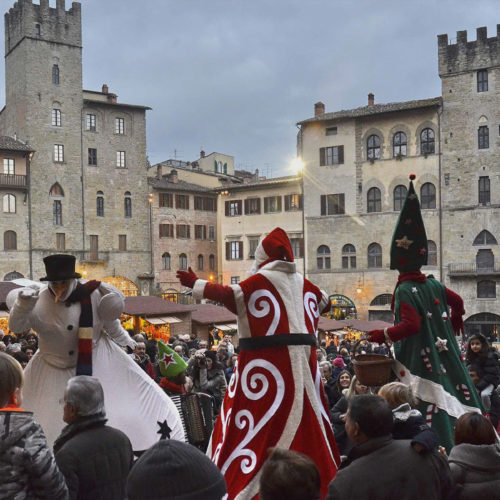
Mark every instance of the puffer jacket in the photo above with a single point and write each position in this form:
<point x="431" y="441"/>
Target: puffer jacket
<point x="27" y="466"/>
<point x="490" y="367"/>
<point x="476" y="471"/>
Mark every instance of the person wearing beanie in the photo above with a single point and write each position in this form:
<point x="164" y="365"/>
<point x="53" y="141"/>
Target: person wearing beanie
<point x="427" y="354"/>
<point x="275" y="398"/>
<point x="174" y="470"/>
<point x="338" y="366"/>
<point x="78" y="323"/>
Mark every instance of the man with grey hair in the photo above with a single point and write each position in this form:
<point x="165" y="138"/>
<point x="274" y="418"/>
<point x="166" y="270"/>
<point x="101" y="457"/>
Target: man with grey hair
<point x="94" y="458"/>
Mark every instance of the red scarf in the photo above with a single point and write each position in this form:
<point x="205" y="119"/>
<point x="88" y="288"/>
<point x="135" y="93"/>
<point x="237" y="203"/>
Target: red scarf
<point x="11" y="407"/>
<point x="171" y="387"/>
<point x="415" y="276"/>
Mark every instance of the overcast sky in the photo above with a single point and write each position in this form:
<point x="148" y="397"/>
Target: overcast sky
<point x="234" y="76"/>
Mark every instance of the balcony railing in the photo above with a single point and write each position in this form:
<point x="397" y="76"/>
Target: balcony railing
<point x="13" y="181"/>
<point x="472" y="269"/>
<point x="95" y="256"/>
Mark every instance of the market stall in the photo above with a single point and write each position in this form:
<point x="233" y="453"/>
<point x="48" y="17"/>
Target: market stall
<point x="209" y="317"/>
<point x="353" y="329"/>
<point x="157" y="317"/>
<point x="5" y="288"/>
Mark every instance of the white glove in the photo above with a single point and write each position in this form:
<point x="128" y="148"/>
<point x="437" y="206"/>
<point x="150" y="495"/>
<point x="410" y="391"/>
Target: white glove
<point x="28" y="296"/>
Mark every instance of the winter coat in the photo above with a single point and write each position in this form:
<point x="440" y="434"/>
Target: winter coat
<point x="27" y="467"/>
<point x="344" y="444"/>
<point x="490" y="367"/>
<point x="94" y="458"/>
<point x="211" y="382"/>
<point x="331" y="391"/>
<point x="383" y="468"/>
<point x="409" y="424"/>
<point x="476" y="471"/>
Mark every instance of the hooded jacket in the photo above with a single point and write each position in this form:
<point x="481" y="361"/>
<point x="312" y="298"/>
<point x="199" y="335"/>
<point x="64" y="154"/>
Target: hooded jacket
<point x="27" y="467"/>
<point x="476" y="471"/>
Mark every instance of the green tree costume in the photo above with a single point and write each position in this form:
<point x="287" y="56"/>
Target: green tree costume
<point x="427" y="354"/>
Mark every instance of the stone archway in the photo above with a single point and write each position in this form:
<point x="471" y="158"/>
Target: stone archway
<point x="126" y="286"/>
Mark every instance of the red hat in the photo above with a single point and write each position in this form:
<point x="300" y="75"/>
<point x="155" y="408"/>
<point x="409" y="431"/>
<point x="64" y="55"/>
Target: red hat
<point x="275" y="246"/>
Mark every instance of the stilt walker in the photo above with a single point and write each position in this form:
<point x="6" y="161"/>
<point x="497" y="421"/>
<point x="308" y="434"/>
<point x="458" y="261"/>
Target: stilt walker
<point x="427" y="353"/>
<point x="275" y="397"/>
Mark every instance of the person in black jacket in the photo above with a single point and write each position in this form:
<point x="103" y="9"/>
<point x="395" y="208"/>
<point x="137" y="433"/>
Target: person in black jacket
<point x="95" y="459"/>
<point x="408" y="422"/>
<point x="480" y="353"/>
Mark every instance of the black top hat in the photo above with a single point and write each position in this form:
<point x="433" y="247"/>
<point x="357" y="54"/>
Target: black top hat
<point x="60" y="267"/>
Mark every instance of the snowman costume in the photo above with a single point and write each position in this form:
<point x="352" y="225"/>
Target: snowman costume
<point x="134" y="403"/>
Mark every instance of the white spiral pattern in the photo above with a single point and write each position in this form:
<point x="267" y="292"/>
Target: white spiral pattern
<point x="233" y="382"/>
<point x="260" y="308"/>
<point x="311" y="307"/>
<point x="244" y="418"/>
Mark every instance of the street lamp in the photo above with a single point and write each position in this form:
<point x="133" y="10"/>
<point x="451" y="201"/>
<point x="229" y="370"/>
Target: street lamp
<point x="297" y="166"/>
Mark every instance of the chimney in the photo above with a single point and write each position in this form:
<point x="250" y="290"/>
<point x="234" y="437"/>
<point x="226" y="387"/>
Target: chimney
<point x="158" y="171"/>
<point x="173" y="177"/>
<point x="112" y="98"/>
<point x="105" y="89"/>
<point x="319" y="109"/>
<point x="202" y="154"/>
<point x="371" y="99"/>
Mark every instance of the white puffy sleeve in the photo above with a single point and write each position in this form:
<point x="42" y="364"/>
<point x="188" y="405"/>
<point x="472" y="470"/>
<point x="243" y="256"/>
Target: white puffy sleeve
<point x="20" y="308"/>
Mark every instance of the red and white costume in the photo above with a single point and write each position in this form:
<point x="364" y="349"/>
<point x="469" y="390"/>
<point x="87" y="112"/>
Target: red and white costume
<point x="275" y="397"/>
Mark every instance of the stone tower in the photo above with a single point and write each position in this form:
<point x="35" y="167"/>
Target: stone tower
<point x="470" y="173"/>
<point x="43" y="68"/>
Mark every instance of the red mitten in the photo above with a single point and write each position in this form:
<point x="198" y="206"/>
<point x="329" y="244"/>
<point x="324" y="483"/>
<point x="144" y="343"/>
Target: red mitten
<point x="376" y="336"/>
<point x="187" y="278"/>
<point x="457" y="322"/>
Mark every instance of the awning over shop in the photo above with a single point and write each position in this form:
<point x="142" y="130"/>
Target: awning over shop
<point x="228" y="327"/>
<point x="162" y="320"/>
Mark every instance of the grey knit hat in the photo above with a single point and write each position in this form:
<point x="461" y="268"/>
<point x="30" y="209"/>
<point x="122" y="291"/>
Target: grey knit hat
<point x="175" y="470"/>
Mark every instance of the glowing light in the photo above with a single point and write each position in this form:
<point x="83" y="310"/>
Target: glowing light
<point x="358" y="290"/>
<point x="297" y="165"/>
<point x="211" y="277"/>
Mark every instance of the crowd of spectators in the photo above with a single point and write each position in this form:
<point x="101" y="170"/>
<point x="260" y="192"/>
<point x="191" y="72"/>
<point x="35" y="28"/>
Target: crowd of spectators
<point x="381" y="436"/>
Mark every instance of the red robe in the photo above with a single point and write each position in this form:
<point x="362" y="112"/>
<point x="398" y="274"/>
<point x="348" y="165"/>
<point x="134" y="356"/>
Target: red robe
<point x="275" y="396"/>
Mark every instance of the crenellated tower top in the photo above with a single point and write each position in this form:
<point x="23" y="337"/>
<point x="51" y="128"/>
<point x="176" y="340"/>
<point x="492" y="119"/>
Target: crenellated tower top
<point x="465" y="56"/>
<point x="40" y="21"/>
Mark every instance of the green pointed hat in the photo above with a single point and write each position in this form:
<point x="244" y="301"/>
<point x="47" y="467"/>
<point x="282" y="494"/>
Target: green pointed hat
<point x="169" y="362"/>
<point x="409" y="241"/>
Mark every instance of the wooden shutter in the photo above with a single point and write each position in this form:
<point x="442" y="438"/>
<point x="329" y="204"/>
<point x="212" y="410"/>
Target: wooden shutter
<point x="301" y="246"/>
<point x="204" y="232"/>
<point x="240" y="205"/>
<point x="177" y="201"/>
<point x="246" y="206"/>
<point x="301" y="203"/>
<point x="228" y="250"/>
<point x="341" y="154"/>
<point x="287" y="202"/>
<point x="258" y="205"/>
<point x="177" y="230"/>
<point x="342" y="203"/>
<point x="227" y="208"/>
<point x="266" y="205"/>
<point x="188" y="231"/>
<point x="322" y="157"/>
<point x="240" y="249"/>
<point x="323" y="204"/>
<point x="279" y="203"/>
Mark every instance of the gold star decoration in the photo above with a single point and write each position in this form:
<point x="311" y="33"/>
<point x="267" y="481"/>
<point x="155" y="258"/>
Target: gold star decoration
<point x="404" y="242"/>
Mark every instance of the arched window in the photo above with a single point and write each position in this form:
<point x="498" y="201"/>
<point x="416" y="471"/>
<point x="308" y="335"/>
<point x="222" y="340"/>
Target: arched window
<point x="374" y="255"/>
<point x="211" y="262"/>
<point x="428" y="196"/>
<point x="485" y="238"/>
<point x="427" y="145"/>
<point x="399" y="197"/>
<point x="399" y="144"/>
<point x="382" y="300"/>
<point x="374" y="200"/>
<point x="486" y="289"/>
<point x="183" y="261"/>
<point x="55" y="74"/>
<point x="128" y="204"/>
<point x="9" y="240"/>
<point x="348" y="256"/>
<point x="200" y="262"/>
<point x="373" y="147"/>
<point x="100" y="204"/>
<point x="57" y="213"/>
<point x="165" y="261"/>
<point x="485" y="259"/>
<point x="56" y="190"/>
<point x="9" y="204"/>
<point x="323" y="257"/>
<point x="432" y="257"/>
